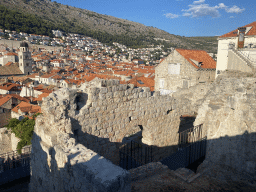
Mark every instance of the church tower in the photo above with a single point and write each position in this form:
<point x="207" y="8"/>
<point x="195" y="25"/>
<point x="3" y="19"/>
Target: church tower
<point x="25" y="61"/>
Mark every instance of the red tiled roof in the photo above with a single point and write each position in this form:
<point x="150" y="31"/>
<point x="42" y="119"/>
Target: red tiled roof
<point x="10" y="70"/>
<point x="234" y="32"/>
<point x="19" y="97"/>
<point x="5" y="99"/>
<point x="9" y="86"/>
<point x="26" y="107"/>
<point x="143" y="82"/>
<point x="199" y="56"/>
<point x="40" y="97"/>
<point x="8" y="64"/>
<point x="11" y="54"/>
<point x="48" y="75"/>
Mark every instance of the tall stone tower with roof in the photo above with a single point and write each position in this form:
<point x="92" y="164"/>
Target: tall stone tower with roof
<point x="25" y="62"/>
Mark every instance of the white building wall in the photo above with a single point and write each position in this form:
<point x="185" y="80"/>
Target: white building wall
<point x="250" y="39"/>
<point x="251" y="54"/>
<point x="7" y="58"/>
<point x="2" y="91"/>
<point x="222" y="59"/>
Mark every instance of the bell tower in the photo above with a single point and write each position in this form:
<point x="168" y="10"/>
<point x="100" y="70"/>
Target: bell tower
<point x="25" y="62"/>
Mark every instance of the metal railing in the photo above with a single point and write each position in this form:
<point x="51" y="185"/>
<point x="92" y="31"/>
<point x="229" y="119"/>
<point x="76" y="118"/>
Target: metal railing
<point x="13" y="159"/>
<point x="134" y="154"/>
<point x="243" y="55"/>
<point x="190" y="135"/>
<point x="247" y="56"/>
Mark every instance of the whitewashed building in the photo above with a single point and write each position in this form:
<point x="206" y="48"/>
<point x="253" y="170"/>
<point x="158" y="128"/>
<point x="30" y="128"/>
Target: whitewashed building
<point x="237" y="50"/>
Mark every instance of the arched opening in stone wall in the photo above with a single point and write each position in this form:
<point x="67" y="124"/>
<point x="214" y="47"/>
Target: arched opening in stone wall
<point x="80" y="101"/>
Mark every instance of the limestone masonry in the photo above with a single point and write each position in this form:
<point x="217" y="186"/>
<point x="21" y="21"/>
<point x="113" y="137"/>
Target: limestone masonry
<point x="76" y="139"/>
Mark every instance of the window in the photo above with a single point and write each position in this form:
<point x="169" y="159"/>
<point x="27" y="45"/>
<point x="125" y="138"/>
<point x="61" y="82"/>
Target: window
<point x="140" y="82"/>
<point x="241" y="37"/>
<point x="161" y="83"/>
<point x="20" y="57"/>
<point x="174" y="69"/>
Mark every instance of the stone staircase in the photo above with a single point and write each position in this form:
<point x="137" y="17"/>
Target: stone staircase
<point x="248" y="61"/>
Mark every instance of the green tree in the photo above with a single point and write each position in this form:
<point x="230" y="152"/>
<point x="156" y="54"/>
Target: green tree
<point x="23" y="130"/>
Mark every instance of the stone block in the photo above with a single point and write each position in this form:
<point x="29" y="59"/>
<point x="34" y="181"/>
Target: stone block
<point x="103" y="90"/>
<point x="103" y="132"/>
<point x="114" y="89"/>
<point x="109" y="89"/>
<point x="117" y="100"/>
<point x="109" y="95"/>
<point x="156" y="94"/>
<point x="135" y="95"/>
<point x="109" y="83"/>
<point x="109" y="129"/>
<point x="102" y="96"/>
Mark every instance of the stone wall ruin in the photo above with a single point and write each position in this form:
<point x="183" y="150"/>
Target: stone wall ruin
<point x="76" y="140"/>
<point x="93" y="124"/>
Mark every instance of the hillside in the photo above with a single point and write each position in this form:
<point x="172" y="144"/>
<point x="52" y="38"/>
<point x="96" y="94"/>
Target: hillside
<point x="105" y="28"/>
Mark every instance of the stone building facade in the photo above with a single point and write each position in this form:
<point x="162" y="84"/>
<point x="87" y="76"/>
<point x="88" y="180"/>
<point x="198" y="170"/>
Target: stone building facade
<point x="183" y="69"/>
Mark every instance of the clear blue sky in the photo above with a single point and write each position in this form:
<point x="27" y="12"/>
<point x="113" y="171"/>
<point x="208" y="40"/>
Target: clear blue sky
<point x="178" y="17"/>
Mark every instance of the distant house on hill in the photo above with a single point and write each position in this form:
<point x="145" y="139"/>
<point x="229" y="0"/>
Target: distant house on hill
<point x="237" y="50"/>
<point x="184" y="68"/>
<point x="25" y="109"/>
<point x="8" y="57"/>
<point x="7" y="103"/>
<point x="10" y="88"/>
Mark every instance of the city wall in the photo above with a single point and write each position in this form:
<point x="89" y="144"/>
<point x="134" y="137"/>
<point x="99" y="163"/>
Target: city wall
<point x="76" y="139"/>
<point x="79" y="134"/>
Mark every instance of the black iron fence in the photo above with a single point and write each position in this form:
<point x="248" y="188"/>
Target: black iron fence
<point x="14" y="165"/>
<point x="134" y="154"/>
<point x="187" y="155"/>
<point x="192" y="146"/>
<point x="190" y="136"/>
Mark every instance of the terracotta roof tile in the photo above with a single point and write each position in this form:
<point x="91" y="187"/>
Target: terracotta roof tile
<point x="10" y="70"/>
<point x="199" y="56"/>
<point x="5" y="99"/>
<point x="11" y="54"/>
<point x="19" y="97"/>
<point x="8" y="64"/>
<point x="143" y="82"/>
<point x="9" y="86"/>
<point x="234" y="32"/>
<point x="40" y="97"/>
<point x="26" y="107"/>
